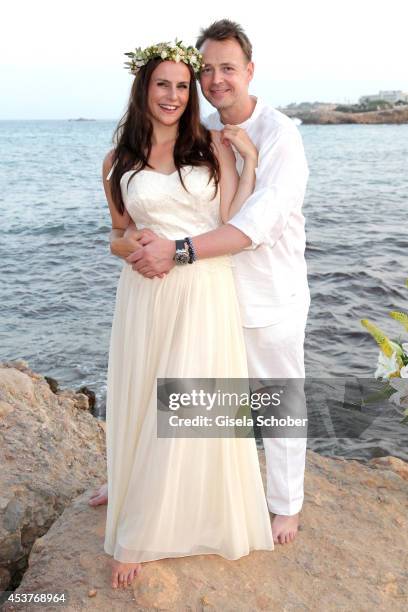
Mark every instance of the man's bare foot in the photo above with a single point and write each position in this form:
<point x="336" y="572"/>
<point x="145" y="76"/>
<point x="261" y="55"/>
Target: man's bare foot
<point x="99" y="497"/>
<point x="284" y="528"/>
<point x="124" y="573"/>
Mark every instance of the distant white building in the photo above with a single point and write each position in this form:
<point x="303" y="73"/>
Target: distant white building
<point x="390" y="95"/>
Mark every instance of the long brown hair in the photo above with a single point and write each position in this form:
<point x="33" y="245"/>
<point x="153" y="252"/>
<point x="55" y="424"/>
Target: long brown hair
<point x="133" y="136"/>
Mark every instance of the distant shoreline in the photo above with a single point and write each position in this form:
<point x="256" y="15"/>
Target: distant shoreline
<point x="394" y="116"/>
<point x="314" y="116"/>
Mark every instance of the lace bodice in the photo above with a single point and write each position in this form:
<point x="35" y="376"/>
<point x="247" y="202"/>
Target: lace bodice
<point x="160" y="202"/>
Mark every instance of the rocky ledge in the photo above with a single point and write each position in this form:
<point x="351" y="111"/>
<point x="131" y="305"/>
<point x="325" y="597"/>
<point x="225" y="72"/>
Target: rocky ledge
<point x="350" y="553"/>
<point x="51" y="450"/>
<point x="331" y="117"/>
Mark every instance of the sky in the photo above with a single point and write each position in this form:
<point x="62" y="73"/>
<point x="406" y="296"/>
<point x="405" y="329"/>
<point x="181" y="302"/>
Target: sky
<point x="61" y="60"/>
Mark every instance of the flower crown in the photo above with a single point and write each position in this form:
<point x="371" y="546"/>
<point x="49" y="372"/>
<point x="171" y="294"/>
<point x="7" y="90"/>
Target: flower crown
<point x="174" y="52"/>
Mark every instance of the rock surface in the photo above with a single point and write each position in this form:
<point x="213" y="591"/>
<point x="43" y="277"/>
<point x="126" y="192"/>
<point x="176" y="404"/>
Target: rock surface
<point x="350" y="552"/>
<point x="51" y="449"/>
<point x="329" y="117"/>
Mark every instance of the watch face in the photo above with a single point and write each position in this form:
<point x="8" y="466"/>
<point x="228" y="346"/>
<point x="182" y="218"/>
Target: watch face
<point x="181" y="257"/>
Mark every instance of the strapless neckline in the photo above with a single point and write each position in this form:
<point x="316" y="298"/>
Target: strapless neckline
<point x="162" y="203"/>
<point x="151" y="172"/>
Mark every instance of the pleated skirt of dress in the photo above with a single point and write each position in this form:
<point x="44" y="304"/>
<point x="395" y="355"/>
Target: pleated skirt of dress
<point x="173" y="497"/>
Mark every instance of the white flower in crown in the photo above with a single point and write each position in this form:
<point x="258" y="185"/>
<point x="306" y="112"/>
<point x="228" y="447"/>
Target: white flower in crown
<point x="175" y="52"/>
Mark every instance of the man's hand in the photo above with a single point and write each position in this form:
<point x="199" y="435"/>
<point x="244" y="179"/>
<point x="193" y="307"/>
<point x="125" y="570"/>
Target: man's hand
<point x="155" y="257"/>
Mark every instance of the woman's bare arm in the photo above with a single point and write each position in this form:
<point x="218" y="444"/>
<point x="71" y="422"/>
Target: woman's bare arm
<point x="235" y="189"/>
<point x="122" y="237"/>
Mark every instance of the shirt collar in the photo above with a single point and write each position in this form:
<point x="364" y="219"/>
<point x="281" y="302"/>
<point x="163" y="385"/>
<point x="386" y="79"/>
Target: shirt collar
<point x="255" y="113"/>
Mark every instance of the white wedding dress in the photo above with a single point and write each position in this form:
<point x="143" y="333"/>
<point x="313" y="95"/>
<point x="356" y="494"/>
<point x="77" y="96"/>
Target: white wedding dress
<point x="173" y="497"/>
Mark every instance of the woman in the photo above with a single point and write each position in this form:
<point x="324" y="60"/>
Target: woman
<point x="170" y="497"/>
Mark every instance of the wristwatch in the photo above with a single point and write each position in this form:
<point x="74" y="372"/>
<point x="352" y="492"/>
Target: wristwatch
<point x="182" y="255"/>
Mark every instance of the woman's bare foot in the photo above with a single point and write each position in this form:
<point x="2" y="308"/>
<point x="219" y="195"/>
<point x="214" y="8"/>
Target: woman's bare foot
<point x="99" y="497"/>
<point x="284" y="528"/>
<point x="124" y="573"/>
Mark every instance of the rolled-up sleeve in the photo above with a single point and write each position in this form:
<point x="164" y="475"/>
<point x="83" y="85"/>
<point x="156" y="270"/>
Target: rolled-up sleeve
<point x="281" y="179"/>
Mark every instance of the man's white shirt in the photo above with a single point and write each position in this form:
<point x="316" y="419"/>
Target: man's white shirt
<point x="272" y="273"/>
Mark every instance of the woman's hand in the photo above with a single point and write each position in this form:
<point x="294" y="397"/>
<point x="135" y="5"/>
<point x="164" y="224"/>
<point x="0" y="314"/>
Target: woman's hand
<point x="123" y="246"/>
<point x="123" y="243"/>
<point x="237" y="136"/>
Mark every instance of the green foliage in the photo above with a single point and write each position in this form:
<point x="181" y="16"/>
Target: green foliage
<point x="370" y="105"/>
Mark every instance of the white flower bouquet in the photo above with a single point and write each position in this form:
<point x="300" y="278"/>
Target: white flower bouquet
<point x="392" y="365"/>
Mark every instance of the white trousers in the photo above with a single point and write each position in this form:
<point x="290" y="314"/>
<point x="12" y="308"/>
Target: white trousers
<point x="277" y="351"/>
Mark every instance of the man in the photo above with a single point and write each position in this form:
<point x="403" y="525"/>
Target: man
<point x="268" y="239"/>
